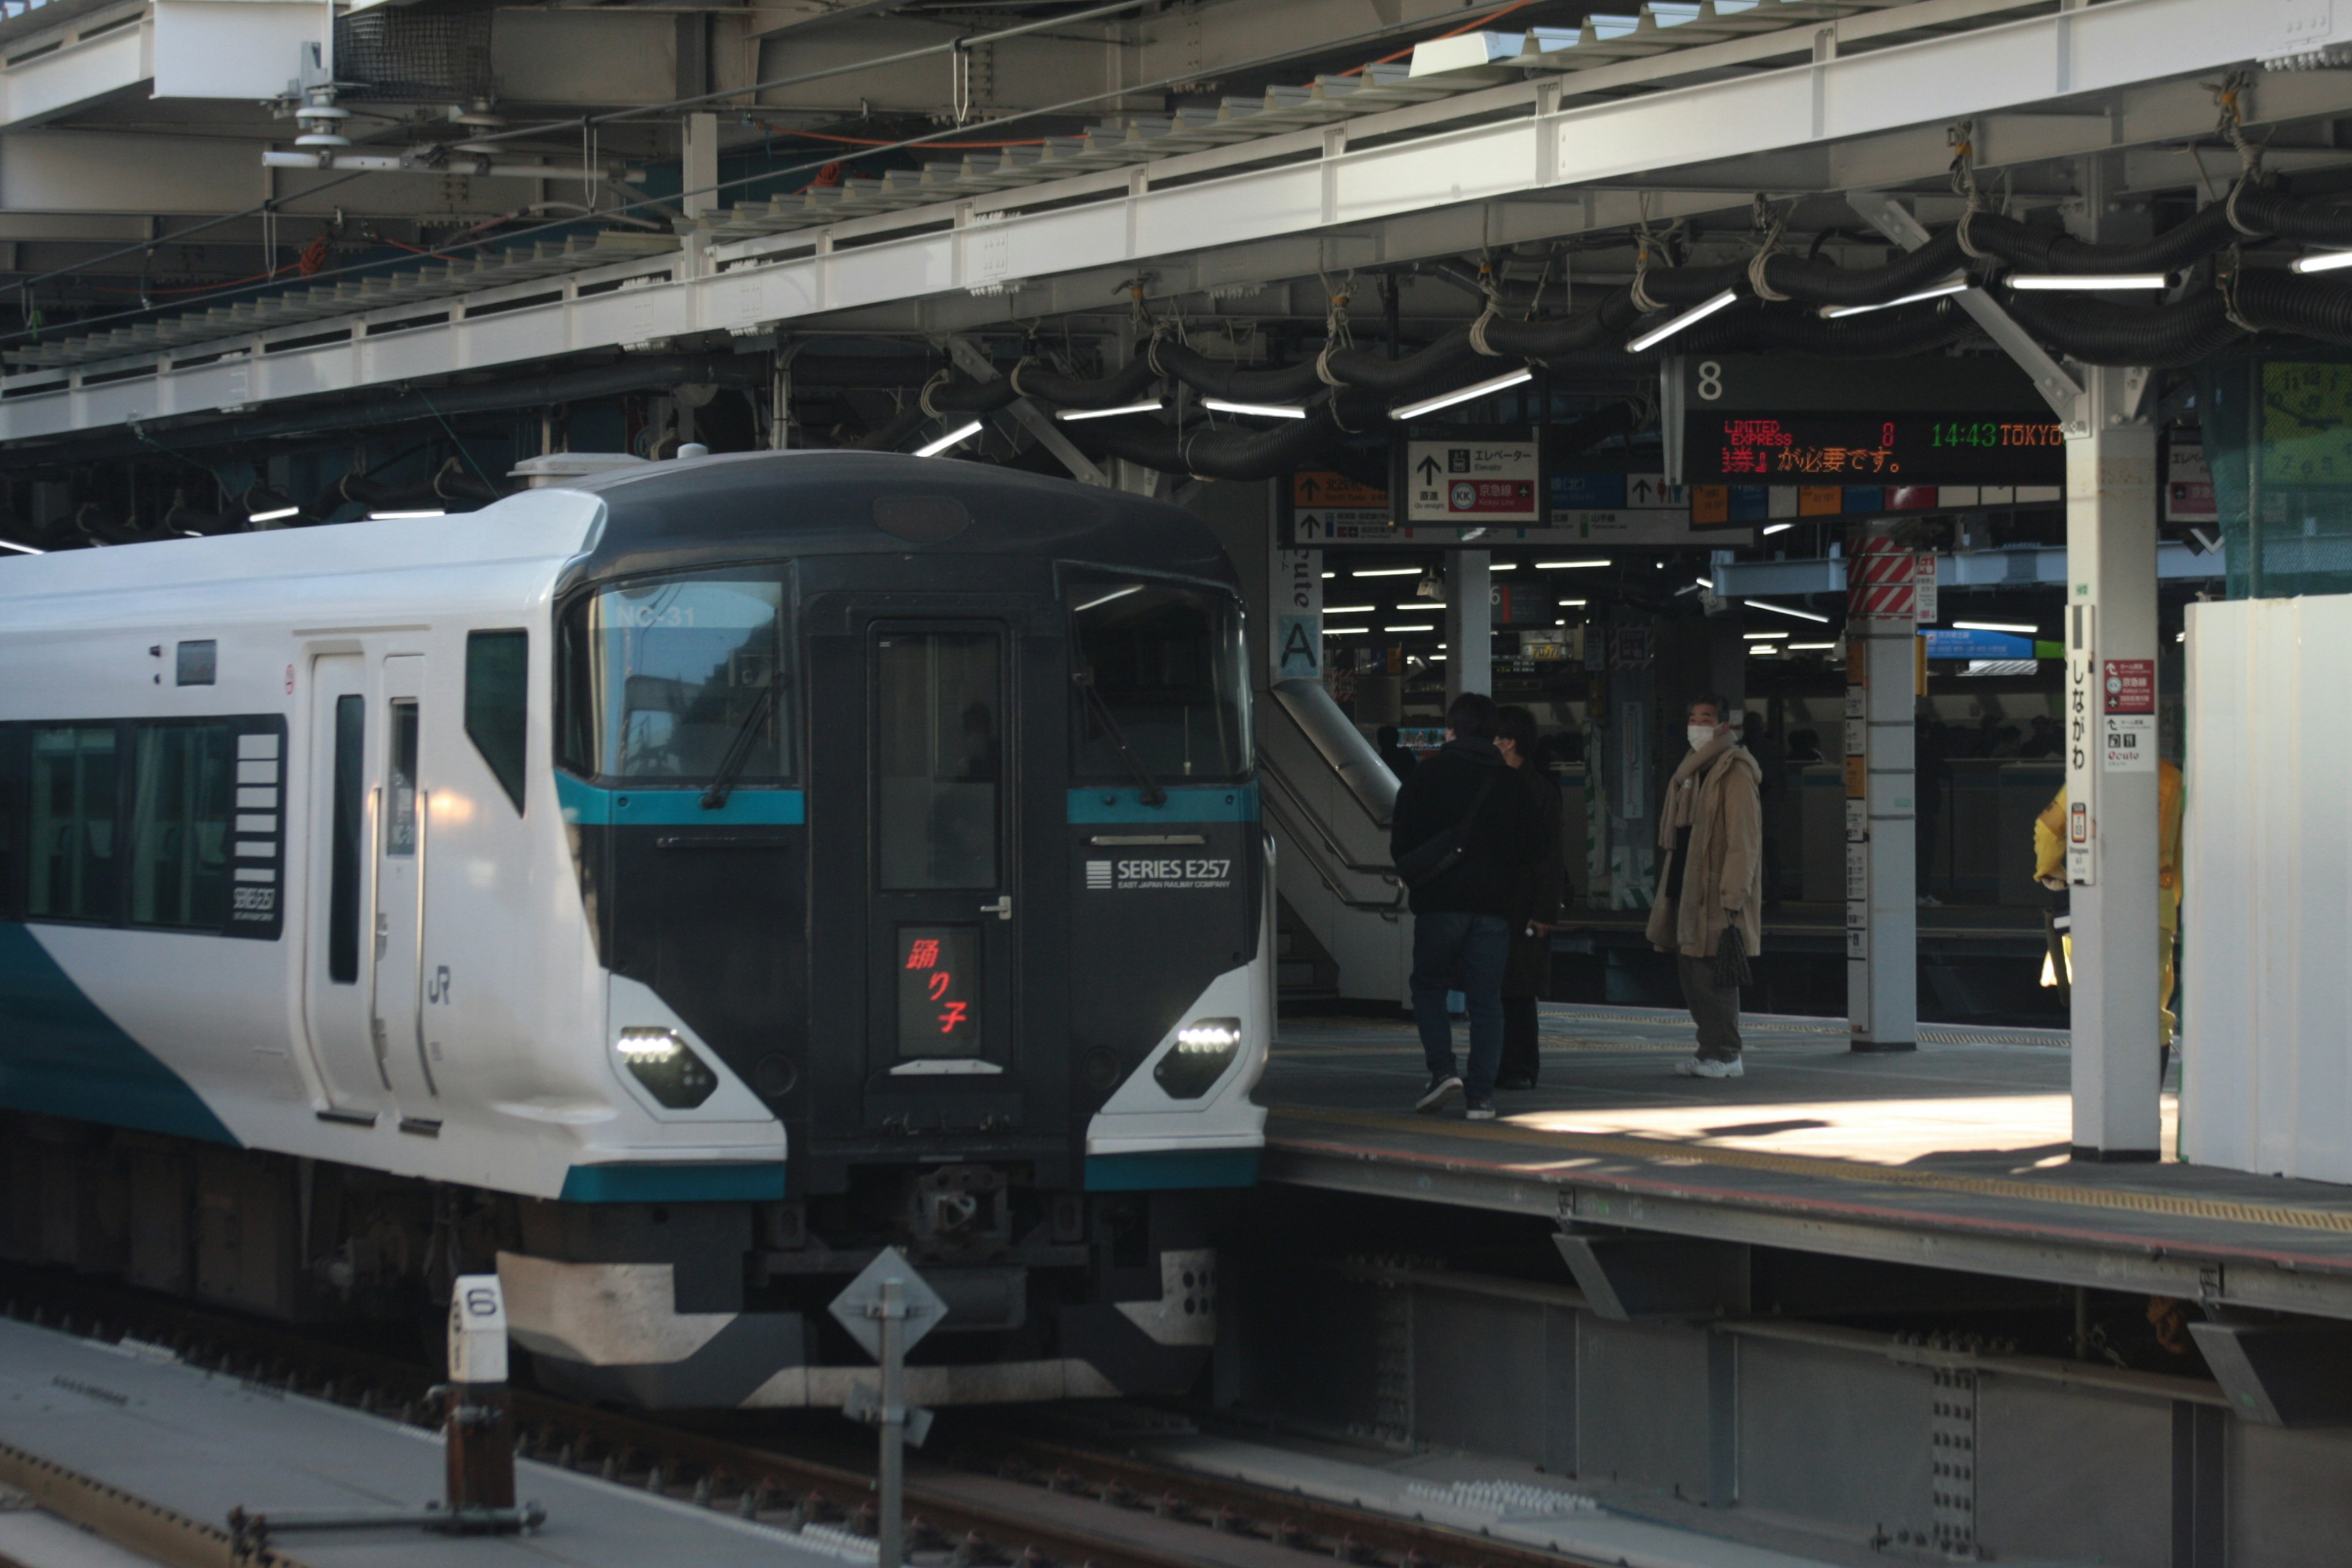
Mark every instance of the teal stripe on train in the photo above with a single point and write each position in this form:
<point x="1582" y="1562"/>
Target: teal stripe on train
<point x="1167" y="1170"/>
<point x="1185" y="804"/>
<point x="671" y="806"/>
<point x="61" y="1054"/>
<point x="715" y="1182"/>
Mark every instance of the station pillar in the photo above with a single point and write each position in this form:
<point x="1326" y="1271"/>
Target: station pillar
<point x="1469" y="624"/>
<point x="1882" y="863"/>
<point x="2111" y="771"/>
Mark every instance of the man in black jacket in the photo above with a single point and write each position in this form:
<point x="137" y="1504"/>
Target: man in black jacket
<point x="1463" y="915"/>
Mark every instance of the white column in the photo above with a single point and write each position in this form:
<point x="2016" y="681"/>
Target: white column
<point x="1882" y="867"/>
<point x="2111" y="791"/>
<point x="1469" y="623"/>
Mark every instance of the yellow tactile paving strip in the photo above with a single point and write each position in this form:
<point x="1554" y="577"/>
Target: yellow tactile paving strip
<point x="1653" y="1150"/>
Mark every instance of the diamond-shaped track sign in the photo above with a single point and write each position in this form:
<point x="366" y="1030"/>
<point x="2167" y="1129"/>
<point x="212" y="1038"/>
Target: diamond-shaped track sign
<point x="852" y="1309"/>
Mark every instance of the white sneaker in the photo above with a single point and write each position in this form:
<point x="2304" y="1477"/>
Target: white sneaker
<point x="1701" y="1067"/>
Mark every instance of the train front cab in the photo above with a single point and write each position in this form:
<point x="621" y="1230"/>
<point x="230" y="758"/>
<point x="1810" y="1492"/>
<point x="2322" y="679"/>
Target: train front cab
<point x="957" y="866"/>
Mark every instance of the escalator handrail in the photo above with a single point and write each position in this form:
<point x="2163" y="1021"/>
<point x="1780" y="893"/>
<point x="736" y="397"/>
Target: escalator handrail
<point x="1310" y="710"/>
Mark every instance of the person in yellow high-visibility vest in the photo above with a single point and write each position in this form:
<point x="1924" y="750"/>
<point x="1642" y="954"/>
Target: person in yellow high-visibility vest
<point x="2050" y="870"/>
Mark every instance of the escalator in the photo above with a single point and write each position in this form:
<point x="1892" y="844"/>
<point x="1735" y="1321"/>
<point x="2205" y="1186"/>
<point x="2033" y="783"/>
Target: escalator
<point x="1344" y="930"/>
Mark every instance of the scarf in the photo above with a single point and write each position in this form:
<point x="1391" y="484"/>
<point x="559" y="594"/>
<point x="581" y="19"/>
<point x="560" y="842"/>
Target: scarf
<point x="1682" y="790"/>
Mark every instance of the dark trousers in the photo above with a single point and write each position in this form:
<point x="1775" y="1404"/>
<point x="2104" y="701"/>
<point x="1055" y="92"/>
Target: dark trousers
<point x="1452" y="951"/>
<point x="1714" y="1008"/>
<point x="1518" y="1040"/>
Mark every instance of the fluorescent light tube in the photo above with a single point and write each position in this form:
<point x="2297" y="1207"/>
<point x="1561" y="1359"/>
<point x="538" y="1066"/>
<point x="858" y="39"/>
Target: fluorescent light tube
<point x="2323" y="261"/>
<point x="1706" y="583"/>
<point x="1955" y="285"/>
<point x="1072" y="415"/>
<point x="1567" y="565"/>
<point x="1386" y="571"/>
<point x="1698" y="313"/>
<point x="1463" y="394"/>
<point x="1772" y="529"/>
<point x="1408" y="628"/>
<point x="420" y="511"/>
<point x="1349" y="609"/>
<point x="953" y="438"/>
<point x="1785" y="610"/>
<point x="1810" y="647"/>
<point x="1996" y="626"/>
<point x="1263" y="410"/>
<point x="1571" y="604"/>
<point x="1761" y="636"/>
<point x="20" y="549"/>
<point x="2089" y="281"/>
<point x="273" y="514"/>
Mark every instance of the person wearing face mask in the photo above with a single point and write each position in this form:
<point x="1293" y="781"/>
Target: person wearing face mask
<point x="1711" y="887"/>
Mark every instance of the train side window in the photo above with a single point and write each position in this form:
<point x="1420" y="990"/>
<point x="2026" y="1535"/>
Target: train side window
<point x="498" y="685"/>
<point x="71" y="842"/>
<point x="400" y="800"/>
<point x="184" y="794"/>
<point x="348" y="837"/>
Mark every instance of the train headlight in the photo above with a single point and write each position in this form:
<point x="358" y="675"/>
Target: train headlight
<point x="1205" y="1048"/>
<point x="667" y="1066"/>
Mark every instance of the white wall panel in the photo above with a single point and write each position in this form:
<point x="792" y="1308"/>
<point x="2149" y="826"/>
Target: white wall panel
<point x="247" y="49"/>
<point x="2267" y="879"/>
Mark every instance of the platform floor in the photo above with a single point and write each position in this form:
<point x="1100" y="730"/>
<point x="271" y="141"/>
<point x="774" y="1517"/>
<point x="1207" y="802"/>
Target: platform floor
<point x="1954" y="1155"/>
<point x="200" y="1444"/>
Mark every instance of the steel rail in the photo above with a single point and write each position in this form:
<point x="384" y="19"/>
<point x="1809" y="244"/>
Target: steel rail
<point x="660" y="1455"/>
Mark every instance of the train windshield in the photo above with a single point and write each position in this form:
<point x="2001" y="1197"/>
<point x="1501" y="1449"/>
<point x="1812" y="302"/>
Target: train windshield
<point x="668" y="677"/>
<point x="1167" y="662"/>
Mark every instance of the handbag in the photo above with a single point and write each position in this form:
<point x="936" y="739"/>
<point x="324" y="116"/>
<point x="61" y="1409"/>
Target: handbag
<point x="1732" y="958"/>
<point x="1433" y="858"/>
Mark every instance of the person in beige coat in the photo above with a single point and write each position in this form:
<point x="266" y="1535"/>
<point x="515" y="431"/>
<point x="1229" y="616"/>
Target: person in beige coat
<point x="1708" y="912"/>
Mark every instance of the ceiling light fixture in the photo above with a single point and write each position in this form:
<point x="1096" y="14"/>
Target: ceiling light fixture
<point x="405" y="514"/>
<point x="953" y="438"/>
<point x="1697" y="313"/>
<point x="1958" y="284"/>
<point x="2323" y="261"/>
<point x="2088" y="281"/>
<point x="1773" y="528"/>
<point x="273" y="514"/>
<point x="2025" y="630"/>
<point x="1785" y="610"/>
<point x="1072" y="415"/>
<point x="1463" y="394"/>
<point x="1810" y="647"/>
<point x="1567" y="565"/>
<point x="1408" y="628"/>
<point x="20" y="549"/>
<point x="1386" y="571"/>
<point x="1261" y="410"/>
<point x="1760" y="636"/>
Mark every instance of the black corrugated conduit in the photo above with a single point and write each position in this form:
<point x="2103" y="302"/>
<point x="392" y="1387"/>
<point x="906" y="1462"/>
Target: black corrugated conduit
<point x="2102" y="331"/>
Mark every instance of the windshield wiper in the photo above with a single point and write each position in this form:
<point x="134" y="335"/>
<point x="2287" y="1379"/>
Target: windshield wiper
<point x="1152" y="794"/>
<point x="739" y="749"/>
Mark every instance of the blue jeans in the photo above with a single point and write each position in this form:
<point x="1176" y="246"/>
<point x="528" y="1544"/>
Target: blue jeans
<point x="1466" y="952"/>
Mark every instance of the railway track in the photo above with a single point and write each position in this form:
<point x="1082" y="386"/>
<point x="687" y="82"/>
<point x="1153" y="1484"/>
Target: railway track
<point x="1005" y="1498"/>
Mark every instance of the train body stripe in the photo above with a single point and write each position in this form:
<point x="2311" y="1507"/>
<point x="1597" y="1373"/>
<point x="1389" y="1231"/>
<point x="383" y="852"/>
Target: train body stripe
<point x="674" y="1184"/>
<point x="1167" y="1170"/>
<point x="61" y="1054"/>
<point x="1185" y="803"/>
<point x="759" y="807"/>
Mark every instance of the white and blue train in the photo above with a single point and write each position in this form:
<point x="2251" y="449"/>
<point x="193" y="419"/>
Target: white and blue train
<point x="667" y="888"/>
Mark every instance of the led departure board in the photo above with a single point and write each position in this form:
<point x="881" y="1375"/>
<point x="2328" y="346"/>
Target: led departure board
<point x="1801" y="447"/>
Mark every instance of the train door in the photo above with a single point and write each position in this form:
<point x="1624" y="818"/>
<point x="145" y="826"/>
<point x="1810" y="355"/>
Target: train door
<point x="944" y="905"/>
<point x="402" y="859"/>
<point x="339" y="956"/>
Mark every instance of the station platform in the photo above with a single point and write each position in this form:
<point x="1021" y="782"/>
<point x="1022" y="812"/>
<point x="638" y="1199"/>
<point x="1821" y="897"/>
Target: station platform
<point x="1954" y="1156"/>
<point x="165" y="1450"/>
